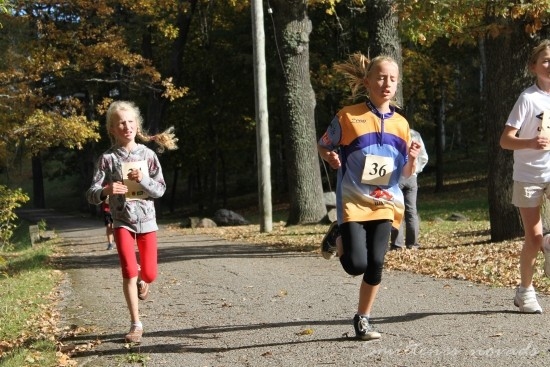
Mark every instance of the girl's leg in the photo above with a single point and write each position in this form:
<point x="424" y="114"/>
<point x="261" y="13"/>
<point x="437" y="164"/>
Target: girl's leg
<point x="367" y="295"/>
<point x="532" y="225"/>
<point x="377" y="237"/>
<point x="147" y="246"/>
<point x="125" y="242"/>
<point x="352" y="249"/>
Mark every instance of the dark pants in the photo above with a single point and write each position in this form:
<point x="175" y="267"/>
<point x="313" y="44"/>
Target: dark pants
<point x="365" y="245"/>
<point x="407" y="235"/>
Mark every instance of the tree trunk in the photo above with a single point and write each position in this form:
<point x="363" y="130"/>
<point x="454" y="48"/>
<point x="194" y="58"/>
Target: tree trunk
<point x="39" y="201"/>
<point x="157" y="105"/>
<point x="383" y="35"/>
<point x="439" y="140"/>
<point x="505" y="81"/>
<point x="293" y="28"/>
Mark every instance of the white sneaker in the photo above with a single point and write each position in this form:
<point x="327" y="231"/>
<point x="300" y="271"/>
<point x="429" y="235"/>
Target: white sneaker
<point x="526" y="300"/>
<point x="546" y="250"/>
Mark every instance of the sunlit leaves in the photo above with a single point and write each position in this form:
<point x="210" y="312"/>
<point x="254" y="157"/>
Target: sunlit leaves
<point x="9" y="201"/>
<point x="47" y="129"/>
<point x="171" y="91"/>
<point x="55" y="51"/>
<point x="464" y="21"/>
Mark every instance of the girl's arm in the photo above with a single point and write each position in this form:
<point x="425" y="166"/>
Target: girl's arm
<point x="410" y="166"/>
<point x="330" y="156"/>
<point x="154" y="183"/>
<point x="510" y="141"/>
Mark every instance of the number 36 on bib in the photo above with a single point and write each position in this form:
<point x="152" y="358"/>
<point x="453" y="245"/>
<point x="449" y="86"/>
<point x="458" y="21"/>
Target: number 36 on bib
<point x="377" y="170"/>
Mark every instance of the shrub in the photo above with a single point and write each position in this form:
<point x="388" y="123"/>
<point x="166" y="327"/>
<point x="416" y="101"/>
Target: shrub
<point x="9" y="201"/>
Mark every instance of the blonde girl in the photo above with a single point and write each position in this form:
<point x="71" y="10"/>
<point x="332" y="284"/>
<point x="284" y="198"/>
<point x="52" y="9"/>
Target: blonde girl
<point x="130" y="176"/>
<point x="525" y="134"/>
<point x="370" y="145"/>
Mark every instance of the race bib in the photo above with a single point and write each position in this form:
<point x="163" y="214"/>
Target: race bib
<point x="135" y="190"/>
<point x="377" y="170"/>
<point x="545" y="126"/>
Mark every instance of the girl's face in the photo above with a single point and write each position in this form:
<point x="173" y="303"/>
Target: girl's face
<point x="124" y="126"/>
<point x="382" y="81"/>
<point x="541" y="68"/>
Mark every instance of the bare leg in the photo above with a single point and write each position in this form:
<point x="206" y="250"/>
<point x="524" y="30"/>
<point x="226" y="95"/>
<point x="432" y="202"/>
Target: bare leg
<point x="130" y="293"/>
<point x="367" y="295"/>
<point x="532" y="225"/>
<point x="110" y="235"/>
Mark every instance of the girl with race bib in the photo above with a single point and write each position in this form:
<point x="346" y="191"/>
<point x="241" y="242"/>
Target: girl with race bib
<point x="370" y="144"/>
<point x="130" y="175"/>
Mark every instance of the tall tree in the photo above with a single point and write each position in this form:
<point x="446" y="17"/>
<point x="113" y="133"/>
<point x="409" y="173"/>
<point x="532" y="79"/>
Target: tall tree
<point x="59" y="53"/>
<point x="383" y="32"/>
<point x="504" y="26"/>
<point x="504" y="82"/>
<point x="292" y="30"/>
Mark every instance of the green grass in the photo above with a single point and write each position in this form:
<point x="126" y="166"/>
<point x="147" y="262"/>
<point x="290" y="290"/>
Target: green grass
<point x="469" y="200"/>
<point x="26" y="282"/>
<point x="464" y="186"/>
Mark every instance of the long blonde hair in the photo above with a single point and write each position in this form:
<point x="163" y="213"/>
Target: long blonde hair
<point x="357" y="69"/>
<point x="164" y="140"/>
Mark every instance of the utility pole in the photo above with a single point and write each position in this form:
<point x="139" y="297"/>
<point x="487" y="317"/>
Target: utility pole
<point x="262" y="118"/>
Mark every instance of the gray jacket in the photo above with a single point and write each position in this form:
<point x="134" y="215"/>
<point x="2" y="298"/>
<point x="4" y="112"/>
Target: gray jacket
<point x="136" y="215"/>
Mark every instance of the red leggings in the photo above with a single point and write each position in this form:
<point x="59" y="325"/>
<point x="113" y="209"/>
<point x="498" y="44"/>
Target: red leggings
<point x="147" y="246"/>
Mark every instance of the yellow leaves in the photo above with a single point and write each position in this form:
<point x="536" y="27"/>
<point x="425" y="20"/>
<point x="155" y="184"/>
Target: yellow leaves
<point x="463" y="21"/>
<point x="103" y="106"/>
<point x="307" y="331"/>
<point x="63" y="360"/>
<point x="462" y="255"/>
<point x="48" y="129"/>
<point x="169" y="31"/>
<point x="282" y="293"/>
<point x="172" y="92"/>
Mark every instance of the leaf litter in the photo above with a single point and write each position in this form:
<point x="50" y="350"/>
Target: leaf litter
<point x="464" y="253"/>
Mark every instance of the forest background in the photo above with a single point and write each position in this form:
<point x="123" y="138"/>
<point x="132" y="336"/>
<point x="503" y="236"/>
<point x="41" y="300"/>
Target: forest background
<point x="188" y="64"/>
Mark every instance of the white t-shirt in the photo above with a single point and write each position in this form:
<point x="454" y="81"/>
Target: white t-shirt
<point x="530" y="165"/>
<point x="422" y="159"/>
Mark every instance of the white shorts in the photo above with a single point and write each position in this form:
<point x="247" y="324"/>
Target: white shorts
<point x="529" y="195"/>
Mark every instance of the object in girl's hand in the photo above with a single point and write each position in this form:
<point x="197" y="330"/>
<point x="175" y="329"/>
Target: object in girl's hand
<point x="545" y="126"/>
<point x="135" y="190"/>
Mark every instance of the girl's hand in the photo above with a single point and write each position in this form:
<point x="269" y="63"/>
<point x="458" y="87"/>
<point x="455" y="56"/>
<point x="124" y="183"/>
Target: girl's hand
<point x="541" y="142"/>
<point x="333" y="159"/>
<point x="414" y="150"/>
<point x="135" y="175"/>
<point x="116" y="188"/>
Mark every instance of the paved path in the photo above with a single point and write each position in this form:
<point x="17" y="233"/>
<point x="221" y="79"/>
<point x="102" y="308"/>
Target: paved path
<point x="229" y="304"/>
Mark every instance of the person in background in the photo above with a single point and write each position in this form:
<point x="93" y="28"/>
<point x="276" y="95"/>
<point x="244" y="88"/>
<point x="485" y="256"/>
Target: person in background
<point x="126" y="164"/>
<point x="108" y="220"/>
<point x="370" y="145"/>
<point x="407" y="234"/>
<point x="527" y="133"/>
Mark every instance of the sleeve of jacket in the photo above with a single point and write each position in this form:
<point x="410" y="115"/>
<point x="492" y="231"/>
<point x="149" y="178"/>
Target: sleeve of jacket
<point x="93" y="194"/>
<point x="154" y="184"/>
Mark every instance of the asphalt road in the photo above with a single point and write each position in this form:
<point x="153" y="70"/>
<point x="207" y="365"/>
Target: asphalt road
<point x="231" y="304"/>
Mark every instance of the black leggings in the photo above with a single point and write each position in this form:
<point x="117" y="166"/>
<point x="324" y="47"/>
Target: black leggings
<point x="365" y="245"/>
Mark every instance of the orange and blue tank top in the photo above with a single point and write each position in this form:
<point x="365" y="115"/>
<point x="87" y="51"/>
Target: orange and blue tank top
<point x="373" y="150"/>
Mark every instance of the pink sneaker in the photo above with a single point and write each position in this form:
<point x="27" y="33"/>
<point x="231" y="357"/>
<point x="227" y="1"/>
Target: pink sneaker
<point x="143" y="290"/>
